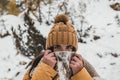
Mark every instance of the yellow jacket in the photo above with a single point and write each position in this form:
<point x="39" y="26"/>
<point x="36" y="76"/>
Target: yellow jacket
<point x="45" y="72"/>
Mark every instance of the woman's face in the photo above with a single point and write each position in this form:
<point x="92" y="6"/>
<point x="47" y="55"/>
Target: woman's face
<point x="63" y="47"/>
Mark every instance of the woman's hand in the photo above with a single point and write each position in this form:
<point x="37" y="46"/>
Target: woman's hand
<point x="76" y="63"/>
<point x="49" y="58"/>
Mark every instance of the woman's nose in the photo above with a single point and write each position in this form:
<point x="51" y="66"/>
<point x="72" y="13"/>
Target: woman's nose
<point x="63" y="48"/>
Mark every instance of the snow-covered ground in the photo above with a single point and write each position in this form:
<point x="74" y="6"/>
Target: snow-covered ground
<point x="103" y="54"/>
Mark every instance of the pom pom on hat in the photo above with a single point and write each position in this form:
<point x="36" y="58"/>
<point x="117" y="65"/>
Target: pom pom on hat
<point x="61" y="18"/>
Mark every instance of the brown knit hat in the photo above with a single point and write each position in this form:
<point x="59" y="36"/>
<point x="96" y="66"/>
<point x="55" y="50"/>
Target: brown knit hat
<point x="62" y="32"/>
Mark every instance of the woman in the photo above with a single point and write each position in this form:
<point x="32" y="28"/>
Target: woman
<point x="62" y="37"/>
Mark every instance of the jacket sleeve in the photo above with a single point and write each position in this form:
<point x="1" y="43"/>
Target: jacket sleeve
<point x="26" y="76"/>
<point x="43" y="72"/>
<point x="91" y="70"/>
<point x="82" y="75"/>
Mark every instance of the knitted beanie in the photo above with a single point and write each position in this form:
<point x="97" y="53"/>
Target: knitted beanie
<point x="62" y="32"/>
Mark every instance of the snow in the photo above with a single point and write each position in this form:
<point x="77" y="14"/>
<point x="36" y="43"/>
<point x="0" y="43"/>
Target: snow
<point x="98" y="14"/>
<point x="10" y="61"/>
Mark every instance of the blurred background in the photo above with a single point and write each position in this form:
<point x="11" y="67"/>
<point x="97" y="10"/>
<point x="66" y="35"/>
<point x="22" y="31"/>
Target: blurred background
<point x="25" y="24"/>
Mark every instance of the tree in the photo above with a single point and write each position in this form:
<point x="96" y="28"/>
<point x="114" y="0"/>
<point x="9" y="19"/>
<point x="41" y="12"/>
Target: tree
<point x="12" y="9"/>
<point x="35" y="41"/>
<point x="3" y="6"/>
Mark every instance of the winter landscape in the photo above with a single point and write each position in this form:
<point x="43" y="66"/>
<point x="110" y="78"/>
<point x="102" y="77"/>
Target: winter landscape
<point x="96" y="22"/>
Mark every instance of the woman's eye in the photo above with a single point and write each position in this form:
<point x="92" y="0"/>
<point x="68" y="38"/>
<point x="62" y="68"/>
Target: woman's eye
<point x="69" y="47"/>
